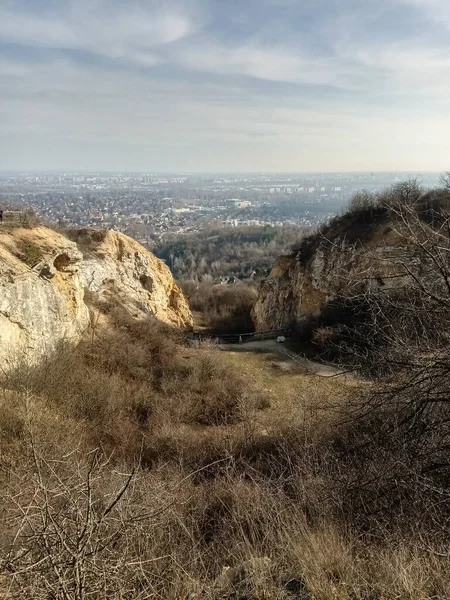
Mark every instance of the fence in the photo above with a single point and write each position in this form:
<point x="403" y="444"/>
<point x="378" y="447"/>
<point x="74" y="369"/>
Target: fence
<point x="236" y="338"/>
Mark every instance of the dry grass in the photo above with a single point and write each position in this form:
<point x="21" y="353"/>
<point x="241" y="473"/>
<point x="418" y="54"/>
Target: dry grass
<point x="235" y="485"/>
<point x="293" y="396"/>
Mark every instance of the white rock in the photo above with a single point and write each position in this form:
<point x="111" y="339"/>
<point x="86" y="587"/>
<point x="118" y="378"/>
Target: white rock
<point x="41" y="306"/>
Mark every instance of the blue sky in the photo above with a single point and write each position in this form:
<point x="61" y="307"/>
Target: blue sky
<point x="225" y="85"/>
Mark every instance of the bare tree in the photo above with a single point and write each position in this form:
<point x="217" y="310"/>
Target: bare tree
<point x="73" y="522"/>
<point x="403" y="341"/>
<point x="445" y="180"/>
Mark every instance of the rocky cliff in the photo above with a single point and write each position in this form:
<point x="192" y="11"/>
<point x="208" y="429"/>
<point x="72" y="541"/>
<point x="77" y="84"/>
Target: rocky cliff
<point x="354" y="253"/>
<point x="44" y="277"/>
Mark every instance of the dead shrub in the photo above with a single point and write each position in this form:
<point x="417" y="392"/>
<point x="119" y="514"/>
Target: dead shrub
<point x="123" y="381"/>
<point x="323" y="335"/>
<point x="225" y="308"/>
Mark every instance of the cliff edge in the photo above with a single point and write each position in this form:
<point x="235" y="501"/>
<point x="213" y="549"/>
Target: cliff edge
<point x="44" y="277"/>
<point x="356" y="252"/>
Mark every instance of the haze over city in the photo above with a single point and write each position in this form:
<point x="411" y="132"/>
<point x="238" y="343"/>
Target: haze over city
<point x="204" y="85"/>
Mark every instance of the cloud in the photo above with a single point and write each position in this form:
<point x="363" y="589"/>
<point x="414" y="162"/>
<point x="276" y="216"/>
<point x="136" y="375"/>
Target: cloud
<point x="111" y="28"/>
<point x="277" y="64"/>
<point x="13" y="68"/>
<point x="436" y="10"/>
<point x="204" y="84"/>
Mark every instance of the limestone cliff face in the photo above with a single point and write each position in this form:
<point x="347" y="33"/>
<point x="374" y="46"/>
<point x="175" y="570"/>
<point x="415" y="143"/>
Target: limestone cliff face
<point x="326" y="266"/>
<point x="41" y="293"/>
<point x="44" y="277"/>
<point x="116" y="268"/>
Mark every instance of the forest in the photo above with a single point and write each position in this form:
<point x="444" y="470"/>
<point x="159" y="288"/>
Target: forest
<point x="237" y="252"/>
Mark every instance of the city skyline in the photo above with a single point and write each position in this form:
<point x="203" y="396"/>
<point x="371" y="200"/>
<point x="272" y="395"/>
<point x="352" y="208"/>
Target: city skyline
<point x="207" y="86"/>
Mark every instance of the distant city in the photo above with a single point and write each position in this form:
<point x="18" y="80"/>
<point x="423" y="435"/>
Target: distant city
<point x="153" y="207"/>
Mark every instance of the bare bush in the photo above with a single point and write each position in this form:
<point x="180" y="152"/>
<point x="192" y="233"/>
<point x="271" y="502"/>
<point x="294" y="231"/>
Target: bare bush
<point x="399" y="336"/>
<point x="445" y="181"/>
<point x="64" y="528"/>
<point x="127" y="381"/>
<point x="363" y="201"/>
<point x="224" y="308"/>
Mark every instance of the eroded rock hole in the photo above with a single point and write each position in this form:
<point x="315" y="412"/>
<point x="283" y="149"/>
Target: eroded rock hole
<point x="147" y="282"/>
<point x="61" y="262"/>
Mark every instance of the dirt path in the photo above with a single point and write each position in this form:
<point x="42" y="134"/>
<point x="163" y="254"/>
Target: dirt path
<point x="295" y="390"/>
<point x="283" y="354"/>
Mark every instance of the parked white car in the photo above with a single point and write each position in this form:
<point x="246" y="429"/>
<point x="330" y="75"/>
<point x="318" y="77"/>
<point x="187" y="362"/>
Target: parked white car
<point x="281" y="339"/>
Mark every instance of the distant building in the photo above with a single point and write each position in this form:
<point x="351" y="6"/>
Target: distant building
<point x="241" y="203"/>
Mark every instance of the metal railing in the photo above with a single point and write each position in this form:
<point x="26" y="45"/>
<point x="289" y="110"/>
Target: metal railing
<point x="242" y="338"/>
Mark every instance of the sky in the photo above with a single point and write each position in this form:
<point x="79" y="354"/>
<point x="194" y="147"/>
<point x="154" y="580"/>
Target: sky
<point x="225" y="85"/>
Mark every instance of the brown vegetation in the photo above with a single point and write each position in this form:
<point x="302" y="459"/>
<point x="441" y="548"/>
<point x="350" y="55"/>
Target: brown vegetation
<point x="135" y="466"/>
<point x="224" y="308"/>
<point x="397" y="335"/>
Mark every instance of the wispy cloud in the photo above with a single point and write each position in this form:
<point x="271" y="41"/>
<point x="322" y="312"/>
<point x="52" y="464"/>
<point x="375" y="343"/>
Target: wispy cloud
<point x="108" y="27"/>
<point x="435" y="10"/>
<point x="205" y="84"/>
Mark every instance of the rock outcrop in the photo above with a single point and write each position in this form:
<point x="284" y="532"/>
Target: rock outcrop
<point x="44" y="277"/>
<point x="344" y="258"/>
<point x="119" y="270"/>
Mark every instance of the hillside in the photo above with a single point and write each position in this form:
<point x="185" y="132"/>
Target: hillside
<point x="138" y="464"/>
<point x="377" y="246"/>
<point x="159" y="470"/>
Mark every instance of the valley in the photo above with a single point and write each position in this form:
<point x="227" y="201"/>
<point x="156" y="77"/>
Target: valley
<point x="139" y="461"/>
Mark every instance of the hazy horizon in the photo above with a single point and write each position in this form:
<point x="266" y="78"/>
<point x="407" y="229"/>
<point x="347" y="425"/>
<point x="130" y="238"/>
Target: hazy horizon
<point x="218" y="172"/>
<point x="256" y="86"/>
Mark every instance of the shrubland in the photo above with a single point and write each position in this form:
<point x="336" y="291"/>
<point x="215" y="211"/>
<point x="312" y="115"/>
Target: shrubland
<point x="397" y="336"/>
<point x="222" y="308"/>
<point x="138" y="465"/>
